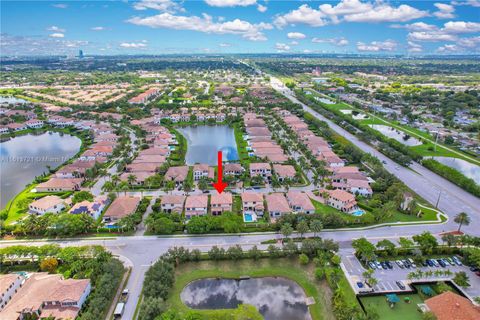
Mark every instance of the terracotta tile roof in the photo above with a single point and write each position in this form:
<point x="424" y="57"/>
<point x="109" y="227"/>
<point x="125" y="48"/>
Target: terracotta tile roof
<point x="451" y="306"/>
<point x="177" y="173"/>
<point x="221" y="199"/>
<point x="6" y="280"/>
<point x="173" y="199"/>
<point x="299" y="199"/>
<point x="252" y="197"/>
<point x="61" y="183"/>
<point x="47" y="202"/>
<point x="260" y="166"/>
<point x="341" y="195"/>
<point x="284" y="170"/>
<point x="196" y="201"/>
<point x="277" y="202"/>
<point x="122" y="206"/>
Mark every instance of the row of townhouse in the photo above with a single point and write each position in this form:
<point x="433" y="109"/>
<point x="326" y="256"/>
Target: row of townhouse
<point x="348" y="181"/>
<point x="55" y="204"/>
<point x="263" y="169"/>
<point x="259" y="139"/>
<point x="197" y="205"/>
<point x="143" y="97"/>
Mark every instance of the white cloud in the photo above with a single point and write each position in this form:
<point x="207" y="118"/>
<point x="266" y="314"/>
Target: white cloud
<point x="449" y="48"/>
<point x="445" y="11"/>
<point x="60" y="5"/>
<point x="98" y="28"/>
<point x="461" y="27"/>
<point x="417" y="26"/>
<point x="56" y="29"/>
<point x="351" y="11"/>
<point x="160" y="5"/>
<point x="335" y="41"/>
<point x="304" y="14"/>
<point x="386" y="13"/>
<point x="473" y="3"/>
<point x="282" y="47"/>
<point x="469" y="42"/>
<point x="225" y="45"/>
<point x="133" y="45"/>
<point x="294" y="43"/>
<point x="430" y="36"/>
<point x="377" y="46"/>
<point x="414" y="47"/>
<point x="230" y="3"/>
<point x="57" y="35"/>
<point x="205" y="24"/>
<point x="296" y="35"/>
<point x="262" y="8"/>
<point x="307" y="51"/>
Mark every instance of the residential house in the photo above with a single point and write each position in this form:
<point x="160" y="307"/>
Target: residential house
<point x="52" y="204"/>
<point x="93" y="208"/>
<point x="277" y="205"/>
<point x="47" y="296"/>
<point x="221" y="202"/>
<point x="284" y="171"/>
<point x="59" y="185"/>
<point x="121" y="207"/>
<point x="449" y="306"/>
<point x="16" y="126"/>
<point x="34" y="124"/>
<point x="260" y="169"/>
<point x="172" y="203"/>
<point x="9" y="285"/>
<point x="202" y="171"/>
<point x="300" y="202"/>
<point x="235" y="169"/>
<point x="196" y="205"/>
<point x="177" y="174"/>
<point x="341" y="200"/>
<point x="252" y="203"/>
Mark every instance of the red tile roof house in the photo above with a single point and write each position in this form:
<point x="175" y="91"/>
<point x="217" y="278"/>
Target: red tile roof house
<point x="232" y="169"/>
<point x="46" y="204"/>
<point x="142" y="167"/>
<point x="140" y="176"/>
<point x="144" y="97"/>
<point x="331" y="159"/>
<point x="93" y="209"/>
<point x="203" y="171"/>
<point x="341" y="200"/>
<point x="451" y="306"/>
<point x="196" y="205"/>
<point x="3" y="130"/>
<point x="277" y="205"/>
<point x="252" y="203"/>
<point x="284" y="171"/>
<point x="300" y="202"/>
<point x="34" y="123"/>
<point x="121" y="207"/>
<point x="220" y="203"/>
<point x="172" y="203"/>
<point x="260" y="169"/>
<point x="47" y="295"/>
<point x="59" y="185"/>
<point x="16" y="127"/>
<point x="177" y="174"/>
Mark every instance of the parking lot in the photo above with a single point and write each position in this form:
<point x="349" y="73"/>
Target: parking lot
<point x="387" y="278"/>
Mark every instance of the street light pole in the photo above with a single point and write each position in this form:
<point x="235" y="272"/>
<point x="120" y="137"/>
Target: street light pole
<point x="438" y="200"/>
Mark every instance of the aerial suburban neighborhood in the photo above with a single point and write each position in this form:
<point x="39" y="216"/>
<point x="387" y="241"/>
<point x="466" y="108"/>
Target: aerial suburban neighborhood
<point x="240" y="159"/>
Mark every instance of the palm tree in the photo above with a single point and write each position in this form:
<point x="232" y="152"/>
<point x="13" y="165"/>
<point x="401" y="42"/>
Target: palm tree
<point x="316" y="226"/>
<point x="115" y="179"/>
<point x="131" y="179"/>
<point x="462" y="219"/>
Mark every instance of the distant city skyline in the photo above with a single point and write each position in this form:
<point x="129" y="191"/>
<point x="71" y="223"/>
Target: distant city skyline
<point x="239" y="26"/>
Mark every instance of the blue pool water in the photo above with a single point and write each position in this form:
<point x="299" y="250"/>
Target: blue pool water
<point x="357" y="213"/>
<point x="247" y="217"/>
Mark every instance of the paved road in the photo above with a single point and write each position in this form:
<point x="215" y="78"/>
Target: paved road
<point x="427" y="184"/>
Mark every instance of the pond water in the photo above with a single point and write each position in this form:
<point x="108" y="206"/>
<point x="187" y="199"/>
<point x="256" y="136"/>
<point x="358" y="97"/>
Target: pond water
<point x="25" y="157"/>
<point x="396" y="134"/>
<point x="205" y="141"/>
<point x="470" y="170"/>
<point x="275" y="298"/>
<point x="13" y="100"/>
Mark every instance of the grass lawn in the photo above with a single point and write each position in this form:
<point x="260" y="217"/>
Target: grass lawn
<point x="401" y="310"/>
<point x="284" y="267"/>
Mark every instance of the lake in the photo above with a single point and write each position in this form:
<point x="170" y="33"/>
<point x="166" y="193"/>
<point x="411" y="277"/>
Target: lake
<point x="398" y="135"/>
<point x="25" y="157"/>
<point x="275" y="298"/>
<point x="205" y="141"/>
<point x="470" y="170"/>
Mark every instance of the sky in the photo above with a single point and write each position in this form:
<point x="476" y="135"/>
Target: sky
<point x="239" y="26"/>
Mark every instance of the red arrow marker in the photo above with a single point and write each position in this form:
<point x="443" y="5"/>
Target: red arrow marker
<point x="220" y="185"/>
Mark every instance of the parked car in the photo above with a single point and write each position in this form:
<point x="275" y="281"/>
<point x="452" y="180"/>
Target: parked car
<point x="389" y="265"/>
<point x="477" y="273"/>
<point x="424" y="263"/>
<point x="435" y="263"/>
<point x="400" y="285"/>
<point x="429" y="263"/>
<point x="440" y="262"/>
<point x="447" y="263"/>
<point x="360" y="284"/>
<point x="400" y="264"/>
<point x="457" y="260"/>
<point x="474" y="269"/>
<point x="406" y="264"/>
<point x="412" y="263"/>
<point x="379" y="266"/>
<point x="384" y="265"/>
<point x="450" y="260"/>
<point x="372" y="265"/>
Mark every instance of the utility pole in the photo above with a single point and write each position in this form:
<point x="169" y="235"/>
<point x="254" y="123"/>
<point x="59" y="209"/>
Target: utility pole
<point x="436" y="141"/>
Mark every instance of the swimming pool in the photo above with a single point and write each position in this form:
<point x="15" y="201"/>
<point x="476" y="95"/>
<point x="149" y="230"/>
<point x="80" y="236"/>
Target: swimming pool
<point x="248" y="217"/>
<point x="358" y="213"/>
